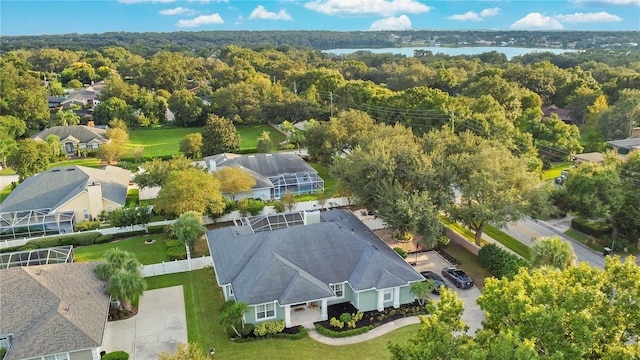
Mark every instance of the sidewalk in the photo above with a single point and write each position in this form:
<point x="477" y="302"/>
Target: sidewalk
<point x="372" y="334"/>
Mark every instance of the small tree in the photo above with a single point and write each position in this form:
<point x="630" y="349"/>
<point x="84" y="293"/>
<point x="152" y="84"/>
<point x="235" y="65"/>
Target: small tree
<point x="322" y="200"/>
<point x="289" y="201"/>
<point x="421" y="290"/>
<point x="188" y="228"/>
<point x="234" y="181"/>
<point x="219" y="135"/>
<point x="137" y="153"/>
<point x="122" y="273"/>
<point x="552" y="251"/>
<point x="231" y="315"/>
<point x="265" y="144"/>
<point x="191" y="145"/>
<point x="190" y="351"/>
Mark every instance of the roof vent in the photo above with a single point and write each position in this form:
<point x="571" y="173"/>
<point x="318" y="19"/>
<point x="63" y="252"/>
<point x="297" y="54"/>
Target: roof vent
<point x="55" y="170"/>
<point x="68" y="307"/>
<point x="39" y="272"/>
<point x="71" y="169"/>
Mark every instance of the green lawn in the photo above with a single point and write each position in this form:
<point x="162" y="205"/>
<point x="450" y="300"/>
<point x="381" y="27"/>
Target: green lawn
<point x="166" y="141"/>
<point x="469" y="262"/>
<point x="203" y="299"/>
<point x="508" y="241"/>
<point x="7" y="171"/>
<point x="556" y="170"/>
<point x="4" y="193"/>
<point x="585" y="239"/>
<point x="330" y="184"/>
<point x="146" y="253"/>
<point x="159" y="142"/>
<point x="88" y="162"/>
<point x="249" y="135"/>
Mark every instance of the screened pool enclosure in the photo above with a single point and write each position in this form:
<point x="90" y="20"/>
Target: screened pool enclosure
<point x="35" y="223"/>
<point x="296" y="183"/>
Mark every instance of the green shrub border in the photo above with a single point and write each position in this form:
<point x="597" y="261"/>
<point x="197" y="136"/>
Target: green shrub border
<point x="116" y="355"/>
<point x="303" y="333"/>
<point x="340" y="334"/>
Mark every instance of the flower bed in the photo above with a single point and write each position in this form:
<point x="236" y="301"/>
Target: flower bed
<point x="370" y="319"/>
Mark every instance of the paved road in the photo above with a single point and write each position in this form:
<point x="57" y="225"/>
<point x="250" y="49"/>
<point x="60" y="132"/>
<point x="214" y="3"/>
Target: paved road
<point x="527" y="229"/>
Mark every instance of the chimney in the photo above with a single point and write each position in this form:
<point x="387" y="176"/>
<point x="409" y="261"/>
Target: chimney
<point x="212" y="166"/>
<point x="91" y="123"/>
<point x="635" y="132"/>
<point x="310" y="217"/>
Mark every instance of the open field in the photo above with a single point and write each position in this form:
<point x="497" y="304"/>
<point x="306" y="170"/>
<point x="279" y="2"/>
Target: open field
<point x="203" y="300"/>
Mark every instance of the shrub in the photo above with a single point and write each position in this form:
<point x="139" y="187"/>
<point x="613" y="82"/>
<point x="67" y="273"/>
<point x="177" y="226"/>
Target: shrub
<point x="338" y="334"/>
<point x="170" y="231"/>
<point x="443" y="241"/>
<point x="269" y="327"/>
<point x="336" y="323"/>
<point x="590" y="227"/>
<point x="279" y="206"/>
<point x="175" y="243"/>
<point x="400" y="252"/>
<point x="103" y="239"/>
<point x="251" y="206"/>
<point x="499" y="262"/>
<point x="87" y="225"/>
<point x="177" y="253"/>
<point x="402" y="235"/>
<point x="116" y="355"/>
<point x="345" y="317"/>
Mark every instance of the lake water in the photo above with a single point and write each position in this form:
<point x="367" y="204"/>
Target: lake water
<point x="408" y="51"/>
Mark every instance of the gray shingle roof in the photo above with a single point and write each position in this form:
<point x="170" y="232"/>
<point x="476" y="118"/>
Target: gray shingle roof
<point x="297" y="264"/>
<point x="56" y="186"/>
<point x="83" y="133"/>
<point x="264" y="164"/>
<point x="630" y="143"/>
<point x="51" y="309"/>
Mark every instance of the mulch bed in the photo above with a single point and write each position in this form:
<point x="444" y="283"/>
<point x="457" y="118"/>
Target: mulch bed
<point x="374" y="317"/>
<point x="120" y="314"/>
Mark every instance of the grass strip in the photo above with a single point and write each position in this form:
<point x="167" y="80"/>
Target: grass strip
<point x="508" y="241"/>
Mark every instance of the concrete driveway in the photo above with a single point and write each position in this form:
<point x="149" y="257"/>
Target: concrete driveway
<point x="160" y="325"/>
<point x="472" y="315"/>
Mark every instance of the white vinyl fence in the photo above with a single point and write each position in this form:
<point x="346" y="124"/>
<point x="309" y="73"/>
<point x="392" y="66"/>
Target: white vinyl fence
<point x="176" y="266"/>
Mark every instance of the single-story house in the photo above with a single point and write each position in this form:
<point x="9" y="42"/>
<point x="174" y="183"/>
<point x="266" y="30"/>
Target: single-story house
<point x="293" y="272"/>
<point x="593" y="157"/>
<point x="81" y="191"/>
<point x="275" y="174"/>
<point x="625" y="146"/>
<point x="75" y="137"/>
<point x="563" y="114"/>
<point x="56" y="312"/>
<point x="55" y="102"/>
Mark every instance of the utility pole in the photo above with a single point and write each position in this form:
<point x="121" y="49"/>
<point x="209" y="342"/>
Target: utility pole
<point x="331" y="103"/>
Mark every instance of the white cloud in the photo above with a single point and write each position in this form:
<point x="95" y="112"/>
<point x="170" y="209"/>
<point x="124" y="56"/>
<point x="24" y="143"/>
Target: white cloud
<point x="261" y="13"/>
<point x="490" y="12"/>
<point x="602" y="16"/>
<point x="609" y="2"/>
<point x="177" y="11"/>
<point x="401" y="22"/>
<point x="536" y="21"/>
<point x="474" y="16"/>
<point x="468" y="16"/>
<point x="201" y="20"/>
<point x="367" y="7"/>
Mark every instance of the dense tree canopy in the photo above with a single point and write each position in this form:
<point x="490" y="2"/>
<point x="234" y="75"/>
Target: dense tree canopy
<point x="190" y="190"/>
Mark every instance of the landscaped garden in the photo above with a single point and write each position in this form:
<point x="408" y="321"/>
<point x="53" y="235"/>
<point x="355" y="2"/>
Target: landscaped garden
<point x="203" y="300"/>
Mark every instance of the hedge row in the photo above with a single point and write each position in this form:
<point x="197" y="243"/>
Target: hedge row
<point x="340" y="334"/>
<point x="500" y="263"/>
<point x="590" y="228"/>
<point x="79" y="239"/>
<point x="302" y="333"/>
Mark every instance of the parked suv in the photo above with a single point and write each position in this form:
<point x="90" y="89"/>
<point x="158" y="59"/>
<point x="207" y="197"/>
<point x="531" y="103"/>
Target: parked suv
<point x="458" y="277"/>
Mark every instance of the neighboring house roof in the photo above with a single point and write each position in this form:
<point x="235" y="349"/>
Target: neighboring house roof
<point x="82" y="133"/>
<point x="54" y="187"/>
<point x="298" y="263"/>
<point x="563" y="114"/>
<point x="630" y="143"/>
<point x="52" y="309"/>
<point x="264" y="164"/>
<point x="594" y="157"/>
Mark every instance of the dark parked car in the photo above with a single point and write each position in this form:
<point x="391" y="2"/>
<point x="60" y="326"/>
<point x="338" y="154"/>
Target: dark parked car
<point x="458" y="277"/>
<point x="436" y="279"/>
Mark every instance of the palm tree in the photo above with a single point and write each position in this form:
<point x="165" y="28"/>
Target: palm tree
<point x="422" y="289"/>
<point x="232" y="314"/>
<point x="552" y="251"/>
<point x="122" y="273"/>
<point x="126" y="286"/>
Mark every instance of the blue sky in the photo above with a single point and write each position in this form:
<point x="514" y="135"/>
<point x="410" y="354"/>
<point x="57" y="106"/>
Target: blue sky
<point x="35" y="17"/>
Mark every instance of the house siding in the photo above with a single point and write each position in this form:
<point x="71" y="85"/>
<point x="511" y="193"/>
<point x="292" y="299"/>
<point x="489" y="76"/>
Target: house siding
<point x="250" y="315"/>
<point x="406" y="296"/>
<point x="368" y="301"/>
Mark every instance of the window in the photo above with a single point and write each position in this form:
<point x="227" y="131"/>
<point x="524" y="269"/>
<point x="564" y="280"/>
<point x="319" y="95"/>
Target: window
<point x="62" y="356"/>
<point x="86" y="214"/>
<point x="338" y="289"/>
<point x="230" y="291"/>
<point x="265" y="311"/>
<point x="387" y="295"/>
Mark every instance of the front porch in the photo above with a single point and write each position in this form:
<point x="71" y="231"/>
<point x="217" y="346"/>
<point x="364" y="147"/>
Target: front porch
<point x="305" y="314"/>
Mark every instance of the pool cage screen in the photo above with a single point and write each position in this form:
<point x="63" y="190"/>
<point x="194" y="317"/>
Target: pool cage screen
<point x="296" y="183"/>
<point x="35" y="223"/>
<point x="273" y="221"/>
<point x="56" y="255"/>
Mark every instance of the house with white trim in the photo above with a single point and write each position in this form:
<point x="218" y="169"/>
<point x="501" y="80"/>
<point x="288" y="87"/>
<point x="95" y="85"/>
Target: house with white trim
<point x="293" y="266"/>
<point x="75" y="137"/>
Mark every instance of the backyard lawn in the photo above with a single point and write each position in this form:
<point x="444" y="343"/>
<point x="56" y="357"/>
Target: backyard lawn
<point x="556" y="170"/>
<point x="249" y="135"/>
<point x="203" y="300"/>
<point x="330" y="184"/>
<point x="146" y="253"/>
<point x="88" y="162"/>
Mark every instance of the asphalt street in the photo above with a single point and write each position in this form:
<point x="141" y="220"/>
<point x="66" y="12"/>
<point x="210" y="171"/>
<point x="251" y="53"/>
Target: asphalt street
<point x="527" y="230"/>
